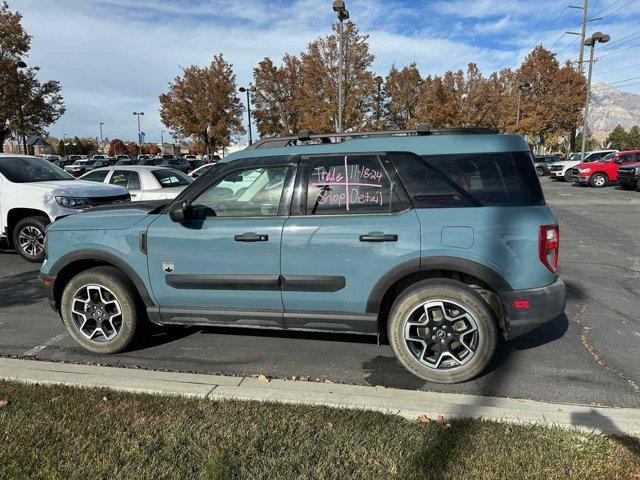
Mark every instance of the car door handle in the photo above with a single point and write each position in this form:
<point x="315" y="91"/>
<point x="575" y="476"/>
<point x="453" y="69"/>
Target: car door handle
<point x="379" y="237"/>
<point x="251" y="237"/>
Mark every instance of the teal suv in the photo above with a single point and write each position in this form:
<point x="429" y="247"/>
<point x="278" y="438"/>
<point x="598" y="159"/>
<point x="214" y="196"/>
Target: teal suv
<point x="438" y="240"/>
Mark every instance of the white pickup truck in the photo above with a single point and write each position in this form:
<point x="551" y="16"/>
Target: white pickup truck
<point x="34" y="193"/>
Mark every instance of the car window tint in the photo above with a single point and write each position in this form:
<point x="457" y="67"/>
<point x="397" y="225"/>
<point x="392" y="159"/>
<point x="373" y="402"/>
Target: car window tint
<point x="247" y="193"/>
<point x="134" y="181"/>
<point x="96" y="176"/>
<point x="120" y="177"/>
<point x="351" y="184"/>
<point x="467" y="180"/>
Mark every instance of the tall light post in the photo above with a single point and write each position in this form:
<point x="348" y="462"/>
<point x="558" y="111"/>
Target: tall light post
<point x="162" y="141"/>
<point x="343" y="14"/>
<point x="139" y="131"/>
<point x="21" y="64"/>
<point x="101" y="138"/>
<point x="590" y="42"/>
<point x="247" y="90"/>
<point x="522" y="86"/>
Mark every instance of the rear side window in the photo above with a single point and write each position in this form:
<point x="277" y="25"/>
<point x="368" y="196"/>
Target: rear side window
<point x="469" y="180"/>
<point x="171" y="178"/>
<point x="120" y="177"/>
<point x="349" y="184"/>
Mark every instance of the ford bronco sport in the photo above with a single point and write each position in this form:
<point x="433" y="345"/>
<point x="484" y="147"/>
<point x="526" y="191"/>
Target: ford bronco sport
<point x="439" y="240"/>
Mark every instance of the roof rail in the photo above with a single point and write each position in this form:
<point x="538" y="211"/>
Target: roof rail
<point x="308" y="137"/>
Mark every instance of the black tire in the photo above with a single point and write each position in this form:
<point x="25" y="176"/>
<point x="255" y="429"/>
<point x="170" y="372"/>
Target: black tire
<point x="451" y="292"/>
<point x="568" y="176"/>
<point x="626" y="186"/>
<point x="31" y="230"/>
<point x="118" y="285"/>
<point x="540" y="171"/>
<point x="598" y="180"/>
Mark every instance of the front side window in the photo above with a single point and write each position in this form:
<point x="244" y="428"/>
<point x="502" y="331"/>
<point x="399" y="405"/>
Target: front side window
<point x="28" y="169"/>
<point x="96" y="176"/>
<point x="252" y="192"/>
<point x="349" y="184"/>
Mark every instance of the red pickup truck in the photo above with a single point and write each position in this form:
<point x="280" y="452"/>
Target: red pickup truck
<point x="598" y="174"/>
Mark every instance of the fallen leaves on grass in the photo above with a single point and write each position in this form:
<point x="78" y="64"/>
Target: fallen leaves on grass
<point x="423" y="419"/>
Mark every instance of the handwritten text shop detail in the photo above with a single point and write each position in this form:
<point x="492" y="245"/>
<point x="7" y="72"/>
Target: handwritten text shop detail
<point x="362" y="185"/>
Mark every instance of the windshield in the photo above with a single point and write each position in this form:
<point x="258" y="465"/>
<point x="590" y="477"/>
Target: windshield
<point x="171" y="178"/>
<point x="574" y="157"/>
<point x="608" y="157"/>
<point x="27" y="169"/>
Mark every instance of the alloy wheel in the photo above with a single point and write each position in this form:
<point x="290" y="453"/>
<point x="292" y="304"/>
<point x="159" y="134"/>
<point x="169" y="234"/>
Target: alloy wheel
<point x="96" y="313"/>
<point x="31" y="240"/>
<point x="441" y="334"/>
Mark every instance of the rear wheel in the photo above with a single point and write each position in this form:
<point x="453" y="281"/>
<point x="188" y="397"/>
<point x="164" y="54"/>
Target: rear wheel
<point x="442" y="331"/>
<point x="627" y="186"/>
<point x="28" y="238"/>
<point x="99" y="310"/>
<point x="540" y="171"/>
<point x="598" y="180"/>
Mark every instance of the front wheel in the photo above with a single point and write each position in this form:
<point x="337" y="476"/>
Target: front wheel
<point x="442" y="331"/>
<point x="568" y="176"/>
<point x="540" y="171"/>
<point x="598" y="180"/>
<point x="28" y="238"/>
<point x="99" y="310"/>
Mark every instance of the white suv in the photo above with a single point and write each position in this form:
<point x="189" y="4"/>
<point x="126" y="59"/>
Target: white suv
<point x="34" y="193"/>
<point x="562" y="170"/>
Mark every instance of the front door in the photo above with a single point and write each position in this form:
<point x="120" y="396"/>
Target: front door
<point x="223" y="266"/>
<point x="351" y="227"/>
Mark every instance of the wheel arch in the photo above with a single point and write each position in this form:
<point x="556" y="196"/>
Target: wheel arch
<point x="17" y="214"/>
<point x="69" y="265"/>
<point x="488" y="283"/>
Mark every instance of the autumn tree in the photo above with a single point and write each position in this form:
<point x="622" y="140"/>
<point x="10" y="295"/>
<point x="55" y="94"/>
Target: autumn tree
<point x="202" y="103"/>
<point x="26" y="104"/>
<point x="402" y="90"/>
<point x="116" y="147"/>
<point x="275" y="100"/>
<point x="317" y="99"/>
<point x="552" y="101"/>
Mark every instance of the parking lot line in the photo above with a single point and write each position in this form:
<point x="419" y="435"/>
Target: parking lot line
<point x="42" y="346"/>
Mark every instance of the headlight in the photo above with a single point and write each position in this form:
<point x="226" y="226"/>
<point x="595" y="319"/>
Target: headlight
<point x="73" y="202"/>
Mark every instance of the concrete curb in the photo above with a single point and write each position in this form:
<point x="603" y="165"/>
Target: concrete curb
<point x="406" y="403"/>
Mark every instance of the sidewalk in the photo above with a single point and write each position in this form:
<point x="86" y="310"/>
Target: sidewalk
<point x="406" y="403"/>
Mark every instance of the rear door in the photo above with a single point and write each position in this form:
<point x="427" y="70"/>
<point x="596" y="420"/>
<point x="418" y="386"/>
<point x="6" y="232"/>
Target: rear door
<point x="350" y="225"/>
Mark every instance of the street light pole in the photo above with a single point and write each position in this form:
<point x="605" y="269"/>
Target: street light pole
<point x="162" y="141"/>
<point x="101" y="138"/>
<point x="21" y="64"/>
<point x="590" y="42"/>
<point x="251" y="88"/>
<point x="343" y="14"/>
<point x="379" y="81"/>
<point x="139" y="131"/>
<point x="521" y="87"/>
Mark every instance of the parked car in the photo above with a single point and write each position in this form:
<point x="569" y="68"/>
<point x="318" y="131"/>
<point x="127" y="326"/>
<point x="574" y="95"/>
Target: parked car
<point x="194" y="163"/>
<point x="127" y="161"/>
<point x="63" y="162"/>
<point x="80" y="167"/>
<point x="153" y="161"/>
<point x="439" y="240"/>
<point x="563" y="170"/>
<point x="176" y="163"/>
<point x="542" y="162"/>
<point x="629" y="176"/>
<point x="599" y="174"/>
<point x="201" y="170"/>
<point x="143" y="182"/>
<point x="34" y="193"/>
<point x="52" y="158"/>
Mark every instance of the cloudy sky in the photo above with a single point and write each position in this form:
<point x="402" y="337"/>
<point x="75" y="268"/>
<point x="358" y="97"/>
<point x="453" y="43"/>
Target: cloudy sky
<point x="114" y="57"/>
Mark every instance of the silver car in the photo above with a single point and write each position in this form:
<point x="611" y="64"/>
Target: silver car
<point x="144" y="182"/>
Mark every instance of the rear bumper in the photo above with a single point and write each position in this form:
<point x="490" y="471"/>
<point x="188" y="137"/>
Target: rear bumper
<point x="545" y="304"/>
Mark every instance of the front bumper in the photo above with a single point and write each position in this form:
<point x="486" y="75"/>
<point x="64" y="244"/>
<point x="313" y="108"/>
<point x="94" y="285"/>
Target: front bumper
<point x="545" y="304"/>
<point x="581" y="180"/>
<point x="556" y="173"/>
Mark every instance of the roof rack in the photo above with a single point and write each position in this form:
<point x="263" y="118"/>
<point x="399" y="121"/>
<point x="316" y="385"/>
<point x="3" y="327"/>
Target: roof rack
<point x="305" y="137"/>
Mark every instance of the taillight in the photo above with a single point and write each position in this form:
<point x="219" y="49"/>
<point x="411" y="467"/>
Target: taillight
<point x="549" y="246"/>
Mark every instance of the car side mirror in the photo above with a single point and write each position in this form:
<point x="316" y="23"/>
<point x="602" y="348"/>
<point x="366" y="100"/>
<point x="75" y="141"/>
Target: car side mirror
<point x="179" y="212"/>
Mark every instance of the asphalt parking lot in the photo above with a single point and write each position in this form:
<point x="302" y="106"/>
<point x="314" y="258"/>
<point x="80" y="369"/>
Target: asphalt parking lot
<point x="587" y="356"/>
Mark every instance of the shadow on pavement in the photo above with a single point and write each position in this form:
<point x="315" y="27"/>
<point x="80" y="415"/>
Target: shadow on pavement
<point x="593" y="418"/>
<point x="21" y="289"/>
